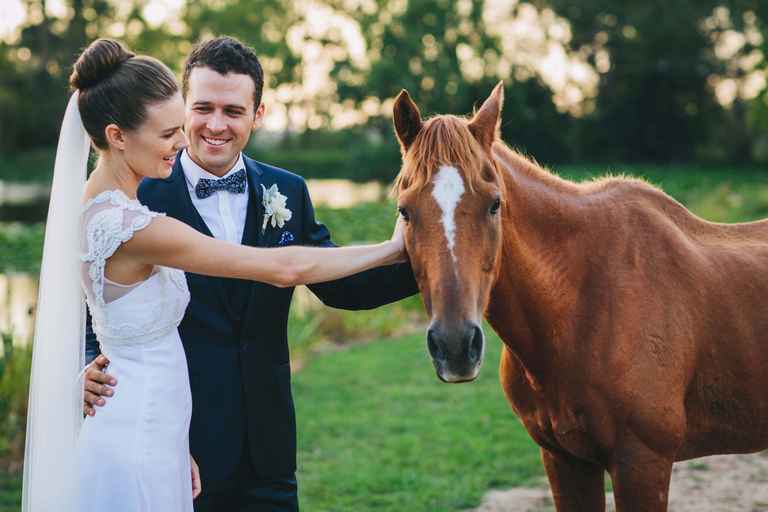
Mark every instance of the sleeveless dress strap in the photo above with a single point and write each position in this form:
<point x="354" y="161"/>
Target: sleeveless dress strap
<point x="110" y="219"/>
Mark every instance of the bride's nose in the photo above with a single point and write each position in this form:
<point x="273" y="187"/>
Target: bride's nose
<point x="182" y="143"/>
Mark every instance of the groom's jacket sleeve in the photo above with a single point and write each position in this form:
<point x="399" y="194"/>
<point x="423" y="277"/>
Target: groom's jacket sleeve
<point x="366" y="290"/>
<point x="91" y="345"/>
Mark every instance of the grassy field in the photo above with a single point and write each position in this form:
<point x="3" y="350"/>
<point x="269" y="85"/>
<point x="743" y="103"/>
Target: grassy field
<point x="379" y="432"/>
<point x="714" y="193"/>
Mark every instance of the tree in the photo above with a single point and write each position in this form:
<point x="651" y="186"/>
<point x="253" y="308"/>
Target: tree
<point x="448" y="59"/>
<point x="656" y="60"/>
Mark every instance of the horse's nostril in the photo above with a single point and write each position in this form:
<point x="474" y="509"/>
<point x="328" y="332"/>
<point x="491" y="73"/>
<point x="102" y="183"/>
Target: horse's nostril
<point x="476" y="344"/>
<point x="434" y="348"/>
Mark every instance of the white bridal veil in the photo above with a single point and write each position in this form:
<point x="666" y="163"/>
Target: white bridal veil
<point x="55" y="395"/>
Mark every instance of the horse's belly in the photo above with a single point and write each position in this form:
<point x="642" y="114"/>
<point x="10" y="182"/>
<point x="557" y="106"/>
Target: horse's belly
<point x="725" y="415"/>
<point x="720" y="442"/>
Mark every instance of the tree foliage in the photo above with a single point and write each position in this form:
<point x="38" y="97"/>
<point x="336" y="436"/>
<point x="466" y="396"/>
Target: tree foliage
<point x="655" y="100"/>
<point x="657" y="68"/>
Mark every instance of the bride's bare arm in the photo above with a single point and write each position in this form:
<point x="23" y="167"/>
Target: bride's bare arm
<point x="169" y="242"/>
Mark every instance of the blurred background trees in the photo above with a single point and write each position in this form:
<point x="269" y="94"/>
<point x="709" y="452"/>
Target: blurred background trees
<point x="593" y="81"/>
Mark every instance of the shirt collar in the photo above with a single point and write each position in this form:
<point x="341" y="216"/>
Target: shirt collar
<point x="193" y="172"/>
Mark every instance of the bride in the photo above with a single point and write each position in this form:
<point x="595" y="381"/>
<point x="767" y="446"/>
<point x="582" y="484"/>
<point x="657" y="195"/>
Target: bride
<point x="130" y="263"/>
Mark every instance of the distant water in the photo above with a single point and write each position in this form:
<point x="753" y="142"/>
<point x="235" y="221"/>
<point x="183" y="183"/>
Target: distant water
<point x="29" y="202"/>
<point x="23" y="202"/>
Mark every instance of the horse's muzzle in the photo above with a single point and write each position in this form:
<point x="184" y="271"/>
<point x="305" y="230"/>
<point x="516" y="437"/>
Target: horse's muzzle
<point x="457" y="351"/>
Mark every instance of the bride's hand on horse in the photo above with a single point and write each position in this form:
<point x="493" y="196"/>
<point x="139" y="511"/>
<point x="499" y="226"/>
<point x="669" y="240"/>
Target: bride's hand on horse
<point x="197" y="486"/>
<point x="97" y="384"/>
<point x="398" y="239"/>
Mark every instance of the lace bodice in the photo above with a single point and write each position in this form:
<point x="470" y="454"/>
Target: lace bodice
<point x="146" y="310"/>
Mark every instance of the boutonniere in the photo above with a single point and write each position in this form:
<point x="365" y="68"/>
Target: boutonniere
<point x="274" y="208"/>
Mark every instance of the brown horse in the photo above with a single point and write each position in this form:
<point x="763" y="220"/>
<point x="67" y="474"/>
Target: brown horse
<point x="635" y="333"/>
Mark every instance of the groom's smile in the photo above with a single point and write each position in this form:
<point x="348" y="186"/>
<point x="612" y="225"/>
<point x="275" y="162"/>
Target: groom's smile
<point x="220" y="115"/>
<point x="213" y="141"/>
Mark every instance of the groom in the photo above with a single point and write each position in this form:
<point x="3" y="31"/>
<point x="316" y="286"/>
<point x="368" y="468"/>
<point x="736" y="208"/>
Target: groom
<point x="243" y="431"/>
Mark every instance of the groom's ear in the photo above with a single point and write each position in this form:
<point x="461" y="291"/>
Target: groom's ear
<point x="114" y="136"/>
<point x="258" y="116"/>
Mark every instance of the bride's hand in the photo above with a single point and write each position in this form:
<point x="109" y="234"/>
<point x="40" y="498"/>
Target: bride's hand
<point x="399" y="240"/>
<point x="197" y="486"/>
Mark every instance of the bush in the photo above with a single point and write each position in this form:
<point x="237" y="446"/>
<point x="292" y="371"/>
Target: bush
<point x="356" y="161"/>
<point x="21" y="247"/>
<point x="314" y="326"/>
<point x="15" y="366"/>
<point x="36" y="165"/>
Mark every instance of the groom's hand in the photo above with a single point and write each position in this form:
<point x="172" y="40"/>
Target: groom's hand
<point x="98" y="384"/>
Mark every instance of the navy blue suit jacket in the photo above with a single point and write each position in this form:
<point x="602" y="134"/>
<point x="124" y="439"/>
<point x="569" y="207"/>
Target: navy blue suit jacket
<point x="235" y="331"/>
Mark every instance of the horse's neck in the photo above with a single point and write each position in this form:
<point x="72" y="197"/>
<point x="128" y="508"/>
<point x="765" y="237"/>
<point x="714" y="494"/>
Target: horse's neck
<point x="536" y="287"/>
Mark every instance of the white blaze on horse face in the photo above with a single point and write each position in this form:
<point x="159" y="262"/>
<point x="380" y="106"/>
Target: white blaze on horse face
<point x="448" y="187"/>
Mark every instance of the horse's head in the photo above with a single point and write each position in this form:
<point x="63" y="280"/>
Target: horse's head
<point x="449" y="195"/>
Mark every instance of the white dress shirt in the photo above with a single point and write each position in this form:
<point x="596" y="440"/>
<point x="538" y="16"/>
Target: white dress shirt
<point x="223" y="211"/>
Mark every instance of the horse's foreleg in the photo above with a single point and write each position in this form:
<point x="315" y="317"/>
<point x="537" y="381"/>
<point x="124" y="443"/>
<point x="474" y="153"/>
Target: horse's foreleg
<point x="577" y="486"/>
<point x="640" y="477"/>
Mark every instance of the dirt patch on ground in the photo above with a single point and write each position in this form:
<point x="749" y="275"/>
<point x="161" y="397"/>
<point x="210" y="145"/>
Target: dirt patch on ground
<point x="722" y="483"/>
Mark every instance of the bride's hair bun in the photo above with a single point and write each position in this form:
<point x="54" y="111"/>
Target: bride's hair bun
<point x="97" y="62"/>
<point x="116" y="87"/>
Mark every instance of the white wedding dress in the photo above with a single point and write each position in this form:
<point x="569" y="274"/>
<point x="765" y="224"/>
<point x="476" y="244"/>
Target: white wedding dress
<point x="134" y="453"/>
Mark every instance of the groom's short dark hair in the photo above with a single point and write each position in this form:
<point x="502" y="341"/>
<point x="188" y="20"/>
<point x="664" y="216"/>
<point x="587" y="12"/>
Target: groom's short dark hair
<point x="224" y="55"/>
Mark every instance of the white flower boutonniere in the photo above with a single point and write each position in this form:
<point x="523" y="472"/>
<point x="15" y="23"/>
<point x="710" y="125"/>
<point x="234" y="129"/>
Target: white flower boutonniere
<point x="274" y="208"/>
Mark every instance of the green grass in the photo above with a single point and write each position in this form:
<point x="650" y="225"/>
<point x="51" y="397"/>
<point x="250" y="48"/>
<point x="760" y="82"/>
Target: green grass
<point x="365" y="222"/>
<point x="713" y="193"/>
<point x="14" y="384"/>
<point x="10" y="492"/>
<point x="379" y="432"/>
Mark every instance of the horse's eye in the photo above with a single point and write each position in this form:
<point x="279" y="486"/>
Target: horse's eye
<point x="404" y="213"/>
<point x="495" y="206"/>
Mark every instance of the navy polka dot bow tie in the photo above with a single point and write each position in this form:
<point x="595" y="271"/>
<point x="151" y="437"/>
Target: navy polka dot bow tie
<point x="234" y="183"/>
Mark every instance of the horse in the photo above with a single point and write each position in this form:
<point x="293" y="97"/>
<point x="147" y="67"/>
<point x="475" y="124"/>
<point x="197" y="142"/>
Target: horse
<point x="635" y="334"/>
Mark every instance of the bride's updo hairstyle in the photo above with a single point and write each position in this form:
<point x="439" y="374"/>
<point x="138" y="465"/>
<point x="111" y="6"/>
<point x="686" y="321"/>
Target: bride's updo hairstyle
<point x="116" y="86"/>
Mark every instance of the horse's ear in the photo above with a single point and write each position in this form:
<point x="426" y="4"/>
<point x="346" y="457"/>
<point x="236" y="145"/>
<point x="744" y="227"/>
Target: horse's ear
<point x="407" y="120"/>
<point x="485" y="124"/>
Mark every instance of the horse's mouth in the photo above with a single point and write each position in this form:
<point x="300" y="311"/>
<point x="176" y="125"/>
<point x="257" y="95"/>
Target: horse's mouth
<point x="452" y="378"/>
<point x="458" y="381"/>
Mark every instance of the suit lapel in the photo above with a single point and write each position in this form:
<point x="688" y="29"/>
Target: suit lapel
<point x="187" y="211"/>
<point x="254" y="218"/>
<point x="255" y="215"/>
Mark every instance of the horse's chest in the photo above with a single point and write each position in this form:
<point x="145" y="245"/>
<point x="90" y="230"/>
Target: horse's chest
<point x="555" y="417"/>
<point x="570" y="431"/>
<point x="564" y="427"/>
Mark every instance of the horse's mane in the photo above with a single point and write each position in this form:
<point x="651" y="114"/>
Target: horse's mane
<point x="443" y="140"/>
<point x="447" y="140"/>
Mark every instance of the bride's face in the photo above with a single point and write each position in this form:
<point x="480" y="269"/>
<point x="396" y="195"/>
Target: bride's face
<point x="150" y="151"/>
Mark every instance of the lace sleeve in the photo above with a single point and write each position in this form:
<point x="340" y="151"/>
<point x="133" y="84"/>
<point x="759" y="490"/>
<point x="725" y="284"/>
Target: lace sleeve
<point x="109" y="220"/>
